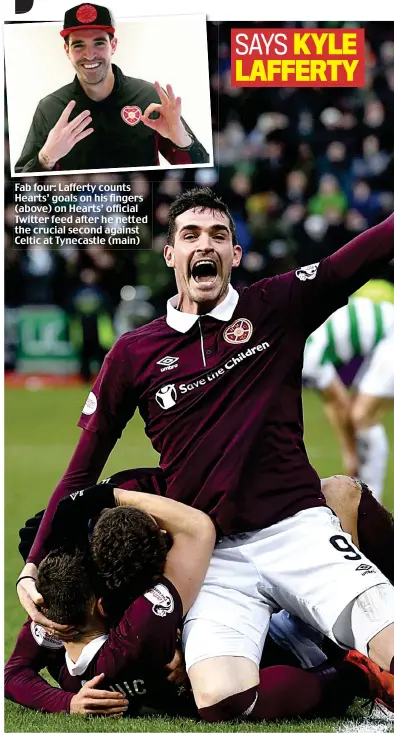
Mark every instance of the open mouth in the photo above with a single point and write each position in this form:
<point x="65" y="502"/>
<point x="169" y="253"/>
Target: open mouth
<point x="204" y="272"/>
<point x="89" y="67"/>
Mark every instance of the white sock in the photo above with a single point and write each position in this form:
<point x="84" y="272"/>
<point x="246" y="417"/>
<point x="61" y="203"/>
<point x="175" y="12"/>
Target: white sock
<point x="373" y="451"/>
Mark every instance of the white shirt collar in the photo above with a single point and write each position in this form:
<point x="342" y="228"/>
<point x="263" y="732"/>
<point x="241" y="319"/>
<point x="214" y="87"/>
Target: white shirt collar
<point x="182" y="322"/>
<point x="88" y="652"/>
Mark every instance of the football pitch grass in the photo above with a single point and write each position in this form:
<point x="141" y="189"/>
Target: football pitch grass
<point x="40" y="435"/>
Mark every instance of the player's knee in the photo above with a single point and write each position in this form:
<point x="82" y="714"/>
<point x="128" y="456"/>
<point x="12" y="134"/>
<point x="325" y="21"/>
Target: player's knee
<point x="223" y="689"/>
<point x="360" y="625"/>
<point x="362" y="415"/>
<point x="229" y="708"/>
<point x="343" y="489"/>
<point x="214" y="693"/>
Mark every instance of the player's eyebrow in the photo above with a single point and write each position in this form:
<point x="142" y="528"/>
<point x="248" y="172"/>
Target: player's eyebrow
<point x="196" y="228"/>
<point x="80" y="41"/>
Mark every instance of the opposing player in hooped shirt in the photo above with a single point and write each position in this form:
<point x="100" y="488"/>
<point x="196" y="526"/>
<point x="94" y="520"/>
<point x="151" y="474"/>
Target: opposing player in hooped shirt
<point x="364" y="328"/>
<point x="104" y="119"/>
<point x="230" y="439"/>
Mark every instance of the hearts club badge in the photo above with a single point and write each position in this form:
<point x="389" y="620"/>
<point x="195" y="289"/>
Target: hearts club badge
<point x="131" y="115"/>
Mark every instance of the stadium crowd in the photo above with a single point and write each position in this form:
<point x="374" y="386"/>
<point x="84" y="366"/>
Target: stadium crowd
<point x="302" y="170"/>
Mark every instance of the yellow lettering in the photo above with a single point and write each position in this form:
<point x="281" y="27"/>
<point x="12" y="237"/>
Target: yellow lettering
<point x="332" y="48"/>
<point x="349" y="43"/>
<point x="350" y="67"/>
<point x="239" y="71"/>
<point x="319" y="41"/>
<point x="288" y="67"/>
<point x="258" y="70"/>
<point x="274" y="67"/>
<point x="334" y="64"/>
<point x="318" y="69"/>
<point x="300" y="44"/>
<point x="303" y="70"/>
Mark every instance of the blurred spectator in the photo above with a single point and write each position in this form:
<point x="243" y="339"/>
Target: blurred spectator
<point x="91" y="328"/>
<point x="329" y="197"/>
<point x="376" y="122"/>
<point x="335" y="162"/>
<point x="365" y="202"/>
<point x="42" y="275"/>
<point x="373" y="160"/>
<point x="296" y="187"/>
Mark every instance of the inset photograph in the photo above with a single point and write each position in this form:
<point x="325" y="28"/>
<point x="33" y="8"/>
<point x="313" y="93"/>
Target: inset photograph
<point x="108" y="94"/>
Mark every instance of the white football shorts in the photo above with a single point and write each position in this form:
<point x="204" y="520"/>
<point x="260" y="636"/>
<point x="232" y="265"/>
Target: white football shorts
<point x="305" y="564"/>
<point x="377" y="374"/>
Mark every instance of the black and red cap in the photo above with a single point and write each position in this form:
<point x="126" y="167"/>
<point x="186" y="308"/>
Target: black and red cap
<point x="87" y="15"/>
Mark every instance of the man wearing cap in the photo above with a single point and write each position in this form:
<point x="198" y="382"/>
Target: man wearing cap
<point x="103" y="118"/>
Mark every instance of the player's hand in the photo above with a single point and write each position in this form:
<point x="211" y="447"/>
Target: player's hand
<point x="31" y="601"/>
<point x="169" y="123"/>
<point x="89" y="701"/>
<point x="177" y="669"/>
<point x="64" y="135"/>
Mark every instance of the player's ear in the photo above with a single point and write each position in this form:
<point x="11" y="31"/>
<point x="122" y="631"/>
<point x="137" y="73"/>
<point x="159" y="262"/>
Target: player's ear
<point x="67" y="49"/>
<point x="169" y="255"/>
<point x="100" y="607"/>
<point x="237" y="255"/>
<point x="114" y="44"/>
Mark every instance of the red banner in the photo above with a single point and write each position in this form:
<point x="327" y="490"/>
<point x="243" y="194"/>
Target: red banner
<point x="293" y="57"/>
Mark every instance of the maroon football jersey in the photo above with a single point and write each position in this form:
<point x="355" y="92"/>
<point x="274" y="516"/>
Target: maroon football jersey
<point x="220" y="394"/>
<point x="147" y="480"/>
<point x="132" y="656"/>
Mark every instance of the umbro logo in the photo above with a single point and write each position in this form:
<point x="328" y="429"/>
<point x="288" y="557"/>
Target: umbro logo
<point x="365" y="569"/>
<point x="76" y="494"/>
<point x="168" y="363"/>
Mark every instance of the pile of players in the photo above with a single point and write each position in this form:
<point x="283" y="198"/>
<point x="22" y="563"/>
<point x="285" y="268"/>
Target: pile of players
<point x="280" y="586"/>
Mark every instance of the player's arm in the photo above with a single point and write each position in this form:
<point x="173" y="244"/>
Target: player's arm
<point x="176" y="141"/>
<point x="193" y="535"/>
<point x="337" y="407"/>
<point x="24" y="685"/>
<point x="193" y="153"/>
<point x="28" y="161"/>
<point x="310" y="294"/>
<point x="359" y="260"/>
<point x="85" y="467"/>
<point x="147" y="480"/>
<point x="108" y="408"/>
<point x="149" y="627"/>
<point x="45" y="145"/>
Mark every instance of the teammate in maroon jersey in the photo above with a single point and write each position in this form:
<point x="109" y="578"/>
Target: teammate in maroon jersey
<point x="226" y="418"/>
<point x="133" y="654"/>
<point x="66" y="583"/>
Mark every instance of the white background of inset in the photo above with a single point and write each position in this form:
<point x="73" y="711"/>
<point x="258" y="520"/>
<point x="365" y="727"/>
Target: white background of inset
<point x="169" y="50"/>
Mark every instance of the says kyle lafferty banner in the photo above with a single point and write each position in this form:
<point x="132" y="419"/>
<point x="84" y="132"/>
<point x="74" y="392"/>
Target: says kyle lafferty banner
<point x="293" y="57"/>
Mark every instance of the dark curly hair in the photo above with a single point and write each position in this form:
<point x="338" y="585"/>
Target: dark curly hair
<point x="129" y="551"/>
<point x="68" y="583"/>
<point x="197" y="198"/>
